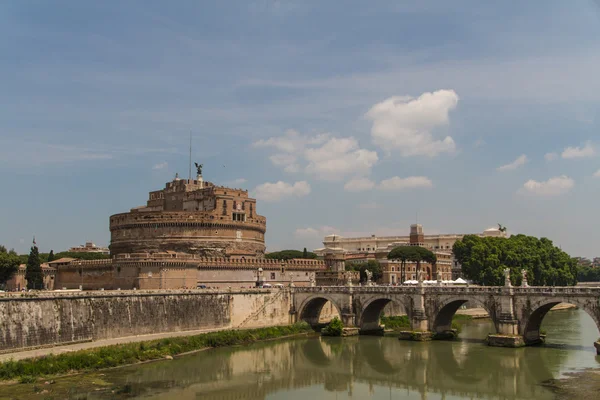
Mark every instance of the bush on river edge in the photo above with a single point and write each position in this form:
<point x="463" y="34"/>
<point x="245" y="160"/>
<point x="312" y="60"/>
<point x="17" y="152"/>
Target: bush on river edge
<point x="132" y="353"/>
<point x="334" y="328"/>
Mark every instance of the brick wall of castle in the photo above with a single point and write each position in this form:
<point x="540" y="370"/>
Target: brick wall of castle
<point x="154" y="272"/>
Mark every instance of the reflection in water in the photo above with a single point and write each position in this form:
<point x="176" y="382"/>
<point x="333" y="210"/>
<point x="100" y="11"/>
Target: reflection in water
<point x="370" y="367"/>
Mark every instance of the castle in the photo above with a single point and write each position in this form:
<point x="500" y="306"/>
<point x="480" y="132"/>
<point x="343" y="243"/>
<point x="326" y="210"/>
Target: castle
<point x="191" y="217"/>
<point x="190" y="234"/>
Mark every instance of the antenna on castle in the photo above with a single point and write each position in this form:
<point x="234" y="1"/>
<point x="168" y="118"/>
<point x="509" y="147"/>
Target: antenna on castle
<point x="190" y="170"/>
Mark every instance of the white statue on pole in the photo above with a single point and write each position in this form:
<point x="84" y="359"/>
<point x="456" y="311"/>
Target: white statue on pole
<point x="348" y="278"/>
<point x="524" y="282"/>
<point x="507" y="277"/>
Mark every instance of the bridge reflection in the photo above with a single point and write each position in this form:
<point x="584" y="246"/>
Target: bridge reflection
<point x="463" y="369"/>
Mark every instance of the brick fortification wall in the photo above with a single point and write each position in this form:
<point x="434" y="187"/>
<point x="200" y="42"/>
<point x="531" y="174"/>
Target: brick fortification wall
<point x="54" y="318"/>
<point x="145" y="271"/>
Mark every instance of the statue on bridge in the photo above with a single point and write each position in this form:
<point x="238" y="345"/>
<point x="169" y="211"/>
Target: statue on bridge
<point x="524" y="281"/>
<point x="313" y="283"/>
<point x="419" y="275"/>
<point x="348" y="278"/>
<point x="507" y="277"/>
<point x="439" y="277"/>
<point x="369" y="277"/>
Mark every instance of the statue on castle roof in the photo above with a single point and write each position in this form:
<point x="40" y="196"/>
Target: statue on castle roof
<point x="199" y="168"/>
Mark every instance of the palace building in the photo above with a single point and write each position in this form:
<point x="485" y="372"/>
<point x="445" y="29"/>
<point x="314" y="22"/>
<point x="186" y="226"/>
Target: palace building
<point x="363" y="249"/>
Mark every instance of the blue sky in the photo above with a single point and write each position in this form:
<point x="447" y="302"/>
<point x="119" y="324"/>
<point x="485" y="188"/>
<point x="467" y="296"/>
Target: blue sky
<point x="338" y="116"/>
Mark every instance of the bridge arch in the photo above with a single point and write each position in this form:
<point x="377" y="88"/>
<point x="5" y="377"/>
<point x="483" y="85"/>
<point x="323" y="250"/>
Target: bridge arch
<point x="310" y="309"/>
<point x="370" y="312"/>
<point x="442" y="313"/>
<point x="534" y="315"/>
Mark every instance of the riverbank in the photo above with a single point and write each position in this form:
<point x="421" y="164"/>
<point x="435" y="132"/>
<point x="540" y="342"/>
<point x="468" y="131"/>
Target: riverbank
<point x="577" y="386"/>
<point x="30" y="370"/>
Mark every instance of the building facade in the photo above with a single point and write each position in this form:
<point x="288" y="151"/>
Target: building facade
<point x="90" y="247"/>
<point x="363" y="249"/>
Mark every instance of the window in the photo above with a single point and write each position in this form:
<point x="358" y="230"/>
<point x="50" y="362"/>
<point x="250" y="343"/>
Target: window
<point x="224" y="207"/>
<point x="250" y="210"/>
<point x="241" y="217"/>
<point x="272" y="275"/>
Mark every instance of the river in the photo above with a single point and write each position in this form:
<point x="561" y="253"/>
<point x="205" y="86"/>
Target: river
<point x="368" y="368"/>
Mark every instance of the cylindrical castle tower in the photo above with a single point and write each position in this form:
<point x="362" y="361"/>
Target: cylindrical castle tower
<point x="192" y="217"/>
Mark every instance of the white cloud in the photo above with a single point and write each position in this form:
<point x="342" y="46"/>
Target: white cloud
<point x="272" y="192"/>
<point x="161" y="165"/>
<point x="521" y="160"/>
<point x="323" y="156"/>
<point x="338" y="158"/>
<point x="397" y="183"/>
<point x="552" y="187"/>
<point x="405" y="123"/>
<point x="597" y="174"/>
<point x="359" y="185"/>
<point x="282" y="159"/>
<point x="292" y="141"/>
<point x="550" y="156"/>
<point x="579" y="152"/>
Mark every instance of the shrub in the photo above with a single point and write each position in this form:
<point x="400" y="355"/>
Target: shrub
<point x="334" y="328"/>
<point x="396" y="323"/>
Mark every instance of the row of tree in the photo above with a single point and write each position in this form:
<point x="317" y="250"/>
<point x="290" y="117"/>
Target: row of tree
<point x="588" y="274"/>
<point x="9" y="265"/>
<point x="484" y="259"/>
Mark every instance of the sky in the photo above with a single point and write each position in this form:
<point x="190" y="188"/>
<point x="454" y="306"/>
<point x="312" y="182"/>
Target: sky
<point x="340" y="117"/>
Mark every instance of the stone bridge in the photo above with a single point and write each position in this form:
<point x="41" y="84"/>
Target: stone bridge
<point x="517" y="312"/>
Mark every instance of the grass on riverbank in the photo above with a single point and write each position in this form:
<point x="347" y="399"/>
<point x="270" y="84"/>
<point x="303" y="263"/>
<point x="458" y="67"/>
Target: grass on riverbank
<point x="132" y="353"/>
<point x="401" y="322"/>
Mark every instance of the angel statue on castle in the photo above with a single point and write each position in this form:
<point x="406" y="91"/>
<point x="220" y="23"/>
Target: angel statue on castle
<point x="198" y="168"/>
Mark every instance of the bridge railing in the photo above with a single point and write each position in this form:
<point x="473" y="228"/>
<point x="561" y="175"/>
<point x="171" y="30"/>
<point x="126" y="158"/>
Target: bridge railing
<point x="516" y="290"/>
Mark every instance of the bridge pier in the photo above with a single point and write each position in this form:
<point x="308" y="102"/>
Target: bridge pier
<point x="507" y="325"/>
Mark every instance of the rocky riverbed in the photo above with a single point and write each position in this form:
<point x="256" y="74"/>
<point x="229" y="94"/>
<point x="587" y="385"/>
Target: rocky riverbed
<point x="577" y="386"/>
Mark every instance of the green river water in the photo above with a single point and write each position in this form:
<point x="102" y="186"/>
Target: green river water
<point x="368" y="368"/>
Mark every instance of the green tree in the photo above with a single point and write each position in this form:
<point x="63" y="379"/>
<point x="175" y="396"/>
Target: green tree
<point x="415" y="254"/>
<point x="484" y="259"/>
<point x="50" y="256"/>
<point x="9" y="264"/>
<point x="289" y="254"/>
<point x="305" y="253"/>
<point x="362" y="267"/>
<point x="33" y="273"/>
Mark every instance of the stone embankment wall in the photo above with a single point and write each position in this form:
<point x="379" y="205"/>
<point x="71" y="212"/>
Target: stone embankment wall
<point x="48" y="319"/>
